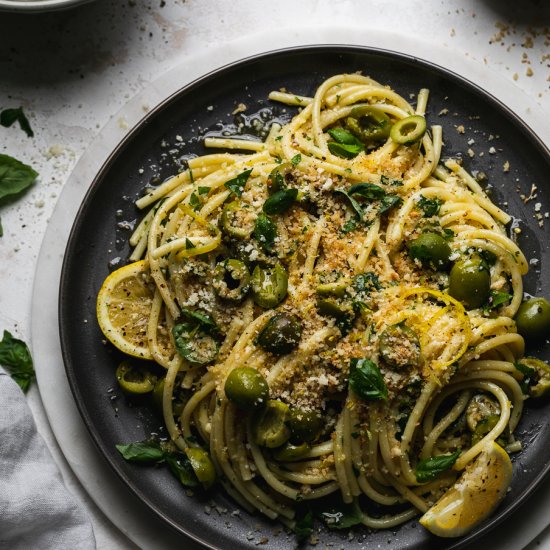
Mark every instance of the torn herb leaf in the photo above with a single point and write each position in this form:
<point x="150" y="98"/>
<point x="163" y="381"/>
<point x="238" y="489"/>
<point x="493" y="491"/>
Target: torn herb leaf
<point x="344" y="151"/>
<point x="236" y="185"/>
<point x="430" y="207"/>
<point x="10" y="116"/>
<point x="429" y="469"/>
<point x="369" y="191"/>
<point x="144" y="452"/>
<point x="280" y="201"/>
<point x="304" y="526"/>
<point x="366" y="380"/>
<point x="16" y="358"/>
<point x="296" y="159"/>
<point x="265" y="232"/>
<point x="15" y="177"/>
<point x="181" y="468"/>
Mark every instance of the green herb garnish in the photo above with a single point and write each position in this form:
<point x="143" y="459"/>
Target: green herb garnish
<point x="366" y="380"/>
<point x="10" y="116"/>
<point x="429" y="469"/>
<point x="16" y="358"/>
<point x="236" y="185"/>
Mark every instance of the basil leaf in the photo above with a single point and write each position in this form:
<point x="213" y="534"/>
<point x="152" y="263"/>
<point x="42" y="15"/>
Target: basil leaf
<point x="342" y="516"/>
<point x="430" y="207"/>
<point x="366" y="380"/>
<point x="16" y="358"/>
<point x="296" y="159"/>
<point x="339" y="135"/>
<point x="350" y="225"/>
<point x="497" y="298"/>
<point x="265" y="232"/>
<point x="189" y="244"/>
<point x="367" y="191"/>
<point x="354" y="204"/>
<point x="10" y="116"/>
<point x="448" y="234"/>
<point x="204" y="320"/>
<point x="304" y="526"/>
<point x="15" y="177"/>
<point x="365" y="283"/>
<point x="144" y="452"/>
<point x="429" y="469"/>
<point x="344" y="151"/>
<point x="388" y="202"/>
<point x="203" y="190"/>
<point x="280" y="201"/>
<point x="530" y="377"/>
<point x="194" y="201"/>
<point x="525" y="370"/>
<point x="181" y="467"/>
<point x="236" y="185"/>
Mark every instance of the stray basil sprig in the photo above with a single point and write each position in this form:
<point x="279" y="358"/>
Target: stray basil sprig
<point x="236" y="185"/>
<point x="345" y="144"/>
<point x="366" y="380"/>
<point x="16" y="358"/>
<point x="429" y="469"/>
<point x="152" y="452"/>
<point x="10" y="116"/>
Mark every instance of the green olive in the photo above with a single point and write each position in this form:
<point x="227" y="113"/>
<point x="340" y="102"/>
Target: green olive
<point x="269" y="286"/>
<point x="246" y="388"/>
<point x="279" y="177"/>
<point x="431" y="249"/>
<point x="399" y="346"/>
<point x="470" y="282"/>
<point x="533" y="319"/>
<point x="408" y="130"/>
<point x="483" y="427"/>
<point x="232" y="221"/>
<point x="368" y="123"/>
<point x="269" y="425"/>
<point x="202" y="466"/>
<point x="334" y="308"/>
<point x="135" y="380"/>
<point x="290" y="452"/>
<point x="231" y="280"/>
<point x="337" y="288"/>
<point x="281" y="334"/>
<point x="306" y="426"/>
<point x="479" y="408"/>
<point x="178" y="400"/>
<point x="540" y="378"/>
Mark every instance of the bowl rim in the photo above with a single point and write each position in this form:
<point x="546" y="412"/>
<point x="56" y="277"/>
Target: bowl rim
<point x="38" y="5"/>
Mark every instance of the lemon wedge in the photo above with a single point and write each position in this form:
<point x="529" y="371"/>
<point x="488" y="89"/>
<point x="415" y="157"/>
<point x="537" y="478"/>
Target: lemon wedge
<point x="124" y="307"/>
<point x="473" y="497"/>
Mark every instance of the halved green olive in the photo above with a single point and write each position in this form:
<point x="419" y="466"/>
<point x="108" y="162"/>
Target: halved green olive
<point x="533" y="319"/>
<point x="279" y="177"/>
<point x="470" y="282"/>
<point x="290" y="452"/>
<point x="269" y="286"/>
<point x="246" y="388"/>
<point x="483" y="427"/>
<point x="306" y="426"/>
<point x="202" y="466"/>
<point x="431" y="249"/>
<point x="337" y="288"/>
<point x="541" y="379"/>
<point x="399" y="346"/>
<point x="368" y="123"/>
<point x="480" y="407"/>
<point x="231" y="280"/>
<point x="408" y="130"/>
<point x="135" y="379"/>
<point x="269" y="425"/>
<point x="232" y="221"/>
<point x="281" y="334"/>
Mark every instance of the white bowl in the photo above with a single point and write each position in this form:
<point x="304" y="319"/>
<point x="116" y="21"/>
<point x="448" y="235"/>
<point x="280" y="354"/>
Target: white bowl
<point x="38" y="5"/>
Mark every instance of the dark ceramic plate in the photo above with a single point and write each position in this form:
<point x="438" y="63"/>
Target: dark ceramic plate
<point x="153" y="151"/>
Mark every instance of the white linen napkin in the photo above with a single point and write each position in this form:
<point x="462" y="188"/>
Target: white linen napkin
<point x="36" y="510"/>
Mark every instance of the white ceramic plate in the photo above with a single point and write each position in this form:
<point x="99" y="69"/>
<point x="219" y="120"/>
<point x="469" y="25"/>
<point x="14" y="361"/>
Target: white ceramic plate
<point x="38" y="5"/>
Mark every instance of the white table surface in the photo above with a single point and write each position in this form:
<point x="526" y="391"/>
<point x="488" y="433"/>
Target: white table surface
<point x="73" y="72"/>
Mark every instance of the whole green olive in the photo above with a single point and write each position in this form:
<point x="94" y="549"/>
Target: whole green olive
<point x="269" y="286"/>
<point x="533" y="319"/>
<point x="281" y="334"/>
<point x="202" y="466"/>
<point x="290" y="452"/>
<point x="306" y="426"/>
<point x="246" y="388"/>
<point x="470" y="282"/>
<point x="431" y="249"/>
<point x="231" y="280"/>
<point x="269" y="425"/>
<point x="399" y="346"/>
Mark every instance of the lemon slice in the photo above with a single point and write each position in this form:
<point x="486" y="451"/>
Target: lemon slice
<point x="124" y="307"/>
<point x="473" y="497"/>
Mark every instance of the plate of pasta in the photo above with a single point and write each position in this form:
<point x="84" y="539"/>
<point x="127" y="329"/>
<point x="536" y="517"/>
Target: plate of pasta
<point x="311" y="305"/>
